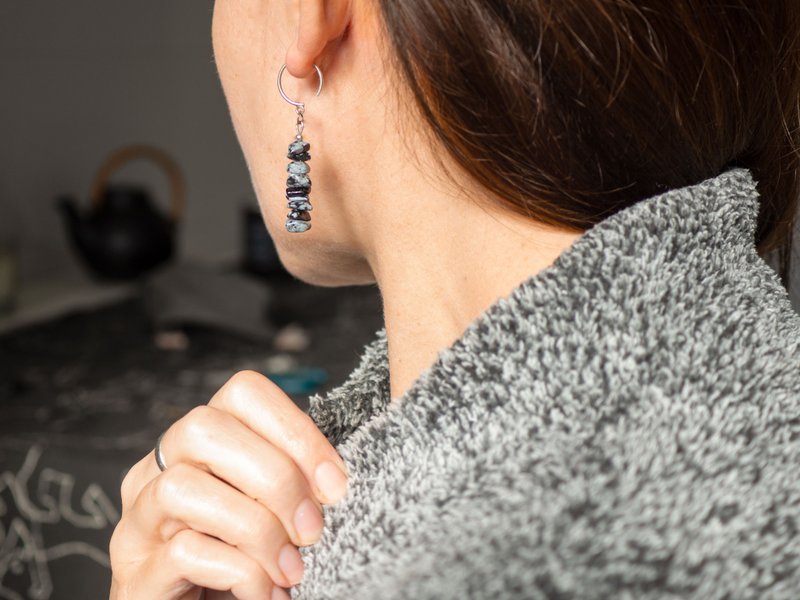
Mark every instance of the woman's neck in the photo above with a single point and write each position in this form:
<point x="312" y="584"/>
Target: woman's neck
<point x="453" y="260"/>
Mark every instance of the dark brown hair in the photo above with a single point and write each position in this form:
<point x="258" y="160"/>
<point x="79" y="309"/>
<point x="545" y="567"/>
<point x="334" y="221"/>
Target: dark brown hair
<point x="570" y="110"/>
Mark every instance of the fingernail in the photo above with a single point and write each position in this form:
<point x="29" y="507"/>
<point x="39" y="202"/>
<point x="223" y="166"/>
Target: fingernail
<point x="291" y="563"/>
<point x="308" y="521"/>
<point x="332" y="481"/>
<point x="279" y="594"/>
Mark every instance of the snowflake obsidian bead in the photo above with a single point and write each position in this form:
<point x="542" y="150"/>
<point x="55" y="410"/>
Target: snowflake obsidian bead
<point x="298" y="180"/>
<point x="298" y="150"/>
<point x="297" y="167"/>
<point x="298" y="187"/>
<point x="299" y="204"/>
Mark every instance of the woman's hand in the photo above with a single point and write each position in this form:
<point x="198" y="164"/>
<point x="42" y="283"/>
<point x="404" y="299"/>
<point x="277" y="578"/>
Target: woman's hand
<point x="245" y="479"/>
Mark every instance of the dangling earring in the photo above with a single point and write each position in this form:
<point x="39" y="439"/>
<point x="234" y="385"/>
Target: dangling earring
<point x="298" y="183"/>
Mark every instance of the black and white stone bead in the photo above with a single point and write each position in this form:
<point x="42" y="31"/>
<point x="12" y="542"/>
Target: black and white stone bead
<point x="298" y="187"/>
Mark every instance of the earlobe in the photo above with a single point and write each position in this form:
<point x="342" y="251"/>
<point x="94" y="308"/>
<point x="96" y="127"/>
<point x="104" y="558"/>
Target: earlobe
<point x="320" y="21"/>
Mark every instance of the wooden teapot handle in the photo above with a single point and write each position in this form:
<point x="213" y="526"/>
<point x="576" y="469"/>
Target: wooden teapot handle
<point x="135" y="151"/>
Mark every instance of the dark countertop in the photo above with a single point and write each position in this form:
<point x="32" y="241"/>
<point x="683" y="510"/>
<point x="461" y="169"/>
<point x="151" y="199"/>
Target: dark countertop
<point x="99" y="376"/>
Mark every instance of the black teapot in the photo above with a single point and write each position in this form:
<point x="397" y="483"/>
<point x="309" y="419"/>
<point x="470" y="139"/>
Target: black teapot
<point x="123" y="234"/>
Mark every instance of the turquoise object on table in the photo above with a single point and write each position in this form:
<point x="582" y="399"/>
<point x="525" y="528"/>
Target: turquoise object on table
<point x="303" y="380"/>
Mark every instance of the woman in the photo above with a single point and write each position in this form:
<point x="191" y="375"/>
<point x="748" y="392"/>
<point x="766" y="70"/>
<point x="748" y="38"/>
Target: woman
<point x="589" y="377"/>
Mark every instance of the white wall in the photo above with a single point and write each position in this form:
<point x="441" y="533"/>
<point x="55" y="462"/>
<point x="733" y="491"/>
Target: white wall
<point x="81" y="78"/>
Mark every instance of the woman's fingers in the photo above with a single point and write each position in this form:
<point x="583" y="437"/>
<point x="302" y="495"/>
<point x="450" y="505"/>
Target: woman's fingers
<point x="185" y="496"/>
<point x="219" y="443"/>
<point x="264" y="407"/>
<point x="244" y="480"/>
<point x="191" y="558"/>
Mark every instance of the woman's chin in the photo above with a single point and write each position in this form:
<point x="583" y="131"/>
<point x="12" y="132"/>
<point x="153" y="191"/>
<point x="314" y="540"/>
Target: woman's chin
<point x="320" y="264"/>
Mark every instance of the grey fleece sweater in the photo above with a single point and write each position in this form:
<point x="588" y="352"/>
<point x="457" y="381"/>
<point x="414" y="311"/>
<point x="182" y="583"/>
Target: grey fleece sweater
<point x="625" y="424"/>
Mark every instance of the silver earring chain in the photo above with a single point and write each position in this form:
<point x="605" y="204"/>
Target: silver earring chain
<point x="300" y="122"/>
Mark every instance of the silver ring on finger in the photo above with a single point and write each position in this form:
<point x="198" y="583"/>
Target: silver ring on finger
<point x="162" y="465"/>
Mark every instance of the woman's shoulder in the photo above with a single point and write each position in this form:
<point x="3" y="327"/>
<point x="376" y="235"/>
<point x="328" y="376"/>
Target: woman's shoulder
<point x="660" y="460"/>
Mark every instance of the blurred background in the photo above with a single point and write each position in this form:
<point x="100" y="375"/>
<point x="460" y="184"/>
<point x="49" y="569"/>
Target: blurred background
<point x="83" y="78"/>
<point x="136" y="274"/>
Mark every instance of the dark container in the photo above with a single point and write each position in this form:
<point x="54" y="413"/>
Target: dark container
<point x="260" y="256"/>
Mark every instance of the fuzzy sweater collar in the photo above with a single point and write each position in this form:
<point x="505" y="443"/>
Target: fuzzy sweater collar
<point x="598" y="432"/>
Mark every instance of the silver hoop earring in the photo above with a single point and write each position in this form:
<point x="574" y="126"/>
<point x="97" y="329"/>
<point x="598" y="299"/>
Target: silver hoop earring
<point x="298" y="183"/>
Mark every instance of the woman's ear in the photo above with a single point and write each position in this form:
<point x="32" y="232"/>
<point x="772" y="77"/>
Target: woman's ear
<point x="320" y="22"/>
